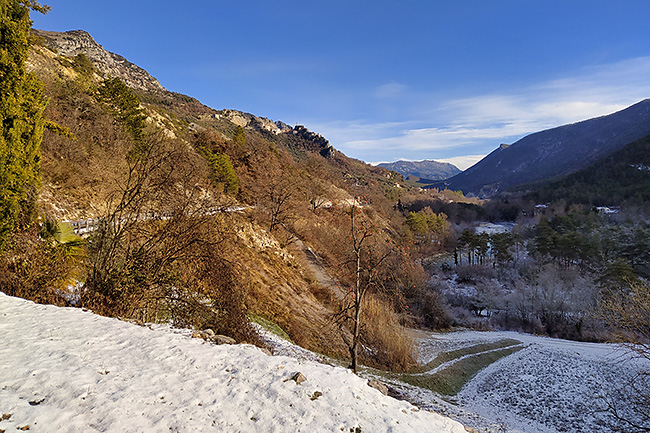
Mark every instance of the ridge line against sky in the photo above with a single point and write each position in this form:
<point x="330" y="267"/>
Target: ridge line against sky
<point x="381" y="80"/>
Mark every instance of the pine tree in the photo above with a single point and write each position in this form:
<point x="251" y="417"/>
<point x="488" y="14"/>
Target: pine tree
<point x="21" y="118"/>
<point x="223" y="173"/>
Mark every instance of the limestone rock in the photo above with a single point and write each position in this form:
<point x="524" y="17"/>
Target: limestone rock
<point x="378" y="386"/>
<point x="222" y="339"/>
<point x="298" y="378"/>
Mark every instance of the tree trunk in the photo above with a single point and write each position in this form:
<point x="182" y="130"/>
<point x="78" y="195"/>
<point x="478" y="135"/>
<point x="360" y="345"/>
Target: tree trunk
<point x="357" y="313"/>
<point x="355" y="337"/>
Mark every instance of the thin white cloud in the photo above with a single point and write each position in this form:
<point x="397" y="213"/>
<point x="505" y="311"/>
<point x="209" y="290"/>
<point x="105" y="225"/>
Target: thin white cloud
<point x="463" y="162"/>
<point x="428" y="143"/>
<point x="621" y="80"/>
<point x="451" y="127"/>
<point x="390" y="90"/>
<point x="591" y="92"/>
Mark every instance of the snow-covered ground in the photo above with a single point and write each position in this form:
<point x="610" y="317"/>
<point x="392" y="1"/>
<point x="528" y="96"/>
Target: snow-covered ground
<point x="550" y="386"/>
<point x="492" y="228"/>
<point x="67" y="370"/>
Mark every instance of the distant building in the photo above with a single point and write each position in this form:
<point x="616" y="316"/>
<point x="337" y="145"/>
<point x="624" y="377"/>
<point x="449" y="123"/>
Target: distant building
<point x="606" y="210"/>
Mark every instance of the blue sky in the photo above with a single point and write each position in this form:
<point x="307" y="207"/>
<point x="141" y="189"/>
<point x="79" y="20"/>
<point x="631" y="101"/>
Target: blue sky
<point x="387" y="80"/>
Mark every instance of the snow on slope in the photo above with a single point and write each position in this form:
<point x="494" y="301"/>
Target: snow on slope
<point x="66" y="370"/>
<point x="550" y="386"/>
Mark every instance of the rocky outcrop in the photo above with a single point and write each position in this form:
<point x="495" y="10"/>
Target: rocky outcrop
<point x="249" y="120"/>
<point x="311" y="140"/>
<point x="77" y="42"/>
<point x="317" y="141"/>
<point x="210" y="336"/>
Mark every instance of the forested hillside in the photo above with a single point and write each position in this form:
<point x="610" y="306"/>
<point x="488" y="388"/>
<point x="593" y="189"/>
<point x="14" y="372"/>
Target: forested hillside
<point x="622" y="178"/>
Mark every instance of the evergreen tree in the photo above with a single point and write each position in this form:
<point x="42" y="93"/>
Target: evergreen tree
<point x="501" y="244"/>
<point x="428" y="226"/>
<point x="21" y="118"/>
<point x="223" y="173"/>
<point x="125" y="105"/>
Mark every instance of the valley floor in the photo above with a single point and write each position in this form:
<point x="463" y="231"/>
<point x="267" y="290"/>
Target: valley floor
<point x="549" y="386"/>
<point x="68" y="370"/>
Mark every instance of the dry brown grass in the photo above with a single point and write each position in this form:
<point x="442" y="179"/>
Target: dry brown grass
<point x="281" y="291"/>
<point x="389" y="346"/>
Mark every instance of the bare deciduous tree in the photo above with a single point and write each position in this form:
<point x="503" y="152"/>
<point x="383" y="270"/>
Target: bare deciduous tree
<point x="278" y="197"/>
<point x="367" y="256"/>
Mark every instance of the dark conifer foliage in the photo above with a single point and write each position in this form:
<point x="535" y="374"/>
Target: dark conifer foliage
<point x="21" y="118"/>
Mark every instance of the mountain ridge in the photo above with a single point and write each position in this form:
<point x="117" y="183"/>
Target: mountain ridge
<point x="554" y="152"/>
<point x="425" y="169"/>
<point x="622" y="177"/>
<point x="79" y="42"/>
<point x="75" y="42"/>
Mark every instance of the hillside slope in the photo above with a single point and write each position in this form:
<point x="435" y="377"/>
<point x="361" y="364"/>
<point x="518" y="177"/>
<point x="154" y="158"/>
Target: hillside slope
<point x="554" y="152"/>
<point x="621" y="177"/>
<point x="72" y="66"/>
<point x="286" y="183"/>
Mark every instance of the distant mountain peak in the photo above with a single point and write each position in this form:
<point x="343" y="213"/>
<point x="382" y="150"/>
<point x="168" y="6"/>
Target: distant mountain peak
<point x="426" y="169"/>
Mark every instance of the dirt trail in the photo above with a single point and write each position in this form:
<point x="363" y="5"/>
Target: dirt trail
<point x="317" y="267"/>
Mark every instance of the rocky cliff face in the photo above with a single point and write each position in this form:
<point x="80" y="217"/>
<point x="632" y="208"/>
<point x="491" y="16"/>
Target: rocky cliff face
<point x="77" y="42"/>
<point x="249" y="120"/>
<point x="311" y="140"/>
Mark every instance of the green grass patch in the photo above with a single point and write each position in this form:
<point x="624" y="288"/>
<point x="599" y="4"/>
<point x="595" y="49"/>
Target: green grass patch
<point x="450" y="380"/>
<point x="459" y="353"/>
<point x="271" y="327"/>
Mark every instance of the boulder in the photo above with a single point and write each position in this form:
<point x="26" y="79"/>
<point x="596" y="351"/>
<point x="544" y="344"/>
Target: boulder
<point x="378" y="386"/>
<point x="222" y="339"/>
<point x="298" y="378"/>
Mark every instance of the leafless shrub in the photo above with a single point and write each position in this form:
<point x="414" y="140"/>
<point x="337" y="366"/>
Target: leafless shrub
<point x="627" y="406"/>
<point x="434" y="313"/>
<point x="38" y="268"/>
<point x="472" y="273"/>
<point x="161" y="251"/>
